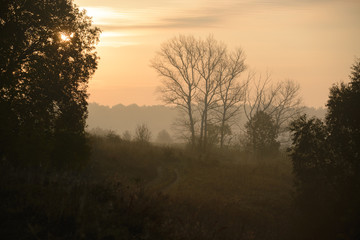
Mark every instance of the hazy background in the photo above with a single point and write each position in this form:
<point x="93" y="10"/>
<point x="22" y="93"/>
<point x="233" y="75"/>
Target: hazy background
<point x="311" y="42"/>
<point x="120" y="118"/>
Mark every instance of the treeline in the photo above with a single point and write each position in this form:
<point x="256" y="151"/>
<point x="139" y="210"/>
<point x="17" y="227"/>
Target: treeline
<point x="202" y="79"/>
<point x="124" y="119"/>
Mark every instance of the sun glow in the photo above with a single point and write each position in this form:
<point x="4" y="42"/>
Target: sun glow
<point x="104" y="15"/>
<point x="65" y="37"/>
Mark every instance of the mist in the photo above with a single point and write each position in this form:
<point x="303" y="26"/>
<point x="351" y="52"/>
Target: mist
<point x="225" y="152"/>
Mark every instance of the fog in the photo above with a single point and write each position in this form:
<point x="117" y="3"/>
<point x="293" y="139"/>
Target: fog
<point x="227" y="152"/>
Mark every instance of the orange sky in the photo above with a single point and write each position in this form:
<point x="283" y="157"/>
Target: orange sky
<point x="313" y="42"/>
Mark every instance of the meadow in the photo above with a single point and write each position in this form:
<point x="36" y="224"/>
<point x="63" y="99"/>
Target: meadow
<point x="132" y="190"/>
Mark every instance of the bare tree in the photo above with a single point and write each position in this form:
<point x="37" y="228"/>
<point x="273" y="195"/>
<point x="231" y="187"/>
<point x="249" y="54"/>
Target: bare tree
<point x="142" y="134"/>
<point x="231" y="92"/>
<point x="212" y="54"/>
<point x="199" y="76"/>
<point x="176" y="65"/>
<point x="127" y="136"/>
<point x="281" y="101"/>
<point x="181" y="130"/>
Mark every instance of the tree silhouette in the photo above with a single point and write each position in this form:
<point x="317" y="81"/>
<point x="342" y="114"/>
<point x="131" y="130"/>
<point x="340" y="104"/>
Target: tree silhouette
<point x="326" y="164"/>
<point x="127" y="136"/>
<point x="175" y="64"/>
<point x="200" y="77"/>
<point x="280" y="100"/>
<point x="231" y="92"/>
<point x="142" y="134"/>
<point x="262" y="133"/>
<point x="164" y="137"/>
<point x="48" y="54"/>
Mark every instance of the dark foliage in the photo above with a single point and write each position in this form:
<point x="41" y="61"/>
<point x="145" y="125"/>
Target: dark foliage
<point x="41" y="205"/>
<point x="326" y="162"/>
<point x="262" y="134"/>
<point x="47" y="57"/>
<point x="164" y="138"/>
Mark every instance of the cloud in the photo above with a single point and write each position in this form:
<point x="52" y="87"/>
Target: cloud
<point x="201" y="21"/>
<point x="161" y="14"/>
<point x="157" y="15"/>
<point x="166" y="23"/>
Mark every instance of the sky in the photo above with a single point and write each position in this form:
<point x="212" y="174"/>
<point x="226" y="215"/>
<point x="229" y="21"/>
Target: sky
<point x="313" y="42"/>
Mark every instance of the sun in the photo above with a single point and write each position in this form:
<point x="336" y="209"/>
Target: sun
<point x="65" y="37"/>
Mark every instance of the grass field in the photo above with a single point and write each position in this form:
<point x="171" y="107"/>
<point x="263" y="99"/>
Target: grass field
<point x="224" y="190"/>
<point x="139" y="191"/>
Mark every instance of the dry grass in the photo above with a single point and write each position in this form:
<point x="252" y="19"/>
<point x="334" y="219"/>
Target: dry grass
<point x="223" y="192"/>
<point x="139" y="191"/>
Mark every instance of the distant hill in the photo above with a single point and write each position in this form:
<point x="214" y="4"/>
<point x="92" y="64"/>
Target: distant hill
<point x="315" y="112"/>
<point x="120" y="118"/>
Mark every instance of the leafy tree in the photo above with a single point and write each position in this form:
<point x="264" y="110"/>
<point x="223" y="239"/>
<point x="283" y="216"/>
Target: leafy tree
<point x="262" y="134"/>
<point x="164" y="137"/>
<point x="314" y="193"/>
<point x="343" y="120"/>
<point x="308" y="135"/>
<point x="47" y="51"/>
<point x="326" y="164"/>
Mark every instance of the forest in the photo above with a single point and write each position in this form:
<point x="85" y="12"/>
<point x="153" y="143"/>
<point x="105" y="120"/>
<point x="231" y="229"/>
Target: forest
<point x="246" y="161"/>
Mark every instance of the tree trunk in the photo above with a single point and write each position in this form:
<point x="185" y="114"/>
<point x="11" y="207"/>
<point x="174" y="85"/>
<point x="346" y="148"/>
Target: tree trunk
<point x="192" y="127"/>
<point x="205" y="130"/>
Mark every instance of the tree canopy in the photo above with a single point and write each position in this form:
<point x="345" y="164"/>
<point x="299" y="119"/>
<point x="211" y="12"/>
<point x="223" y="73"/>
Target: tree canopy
<point x="262" y="134"/>
<point x="48" y="54"/>
<point x="326" y="164"/>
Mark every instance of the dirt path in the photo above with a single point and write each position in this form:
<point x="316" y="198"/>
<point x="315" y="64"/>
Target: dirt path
<point x="166" y="178"/>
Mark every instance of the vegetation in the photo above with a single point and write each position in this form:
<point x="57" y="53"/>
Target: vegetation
<point x="326" y="161"/>
<point x="48" y="54"/>
<point x="164" y="138"/>
<point x="262" y="135"/>
<point x="59" y="182"/>
<point x="281" y="101"/>
<point x="200" y="77"/>
<point x="131" y="190"/>
<point x="142" y="134"/>
<point x="122" y="119"/>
